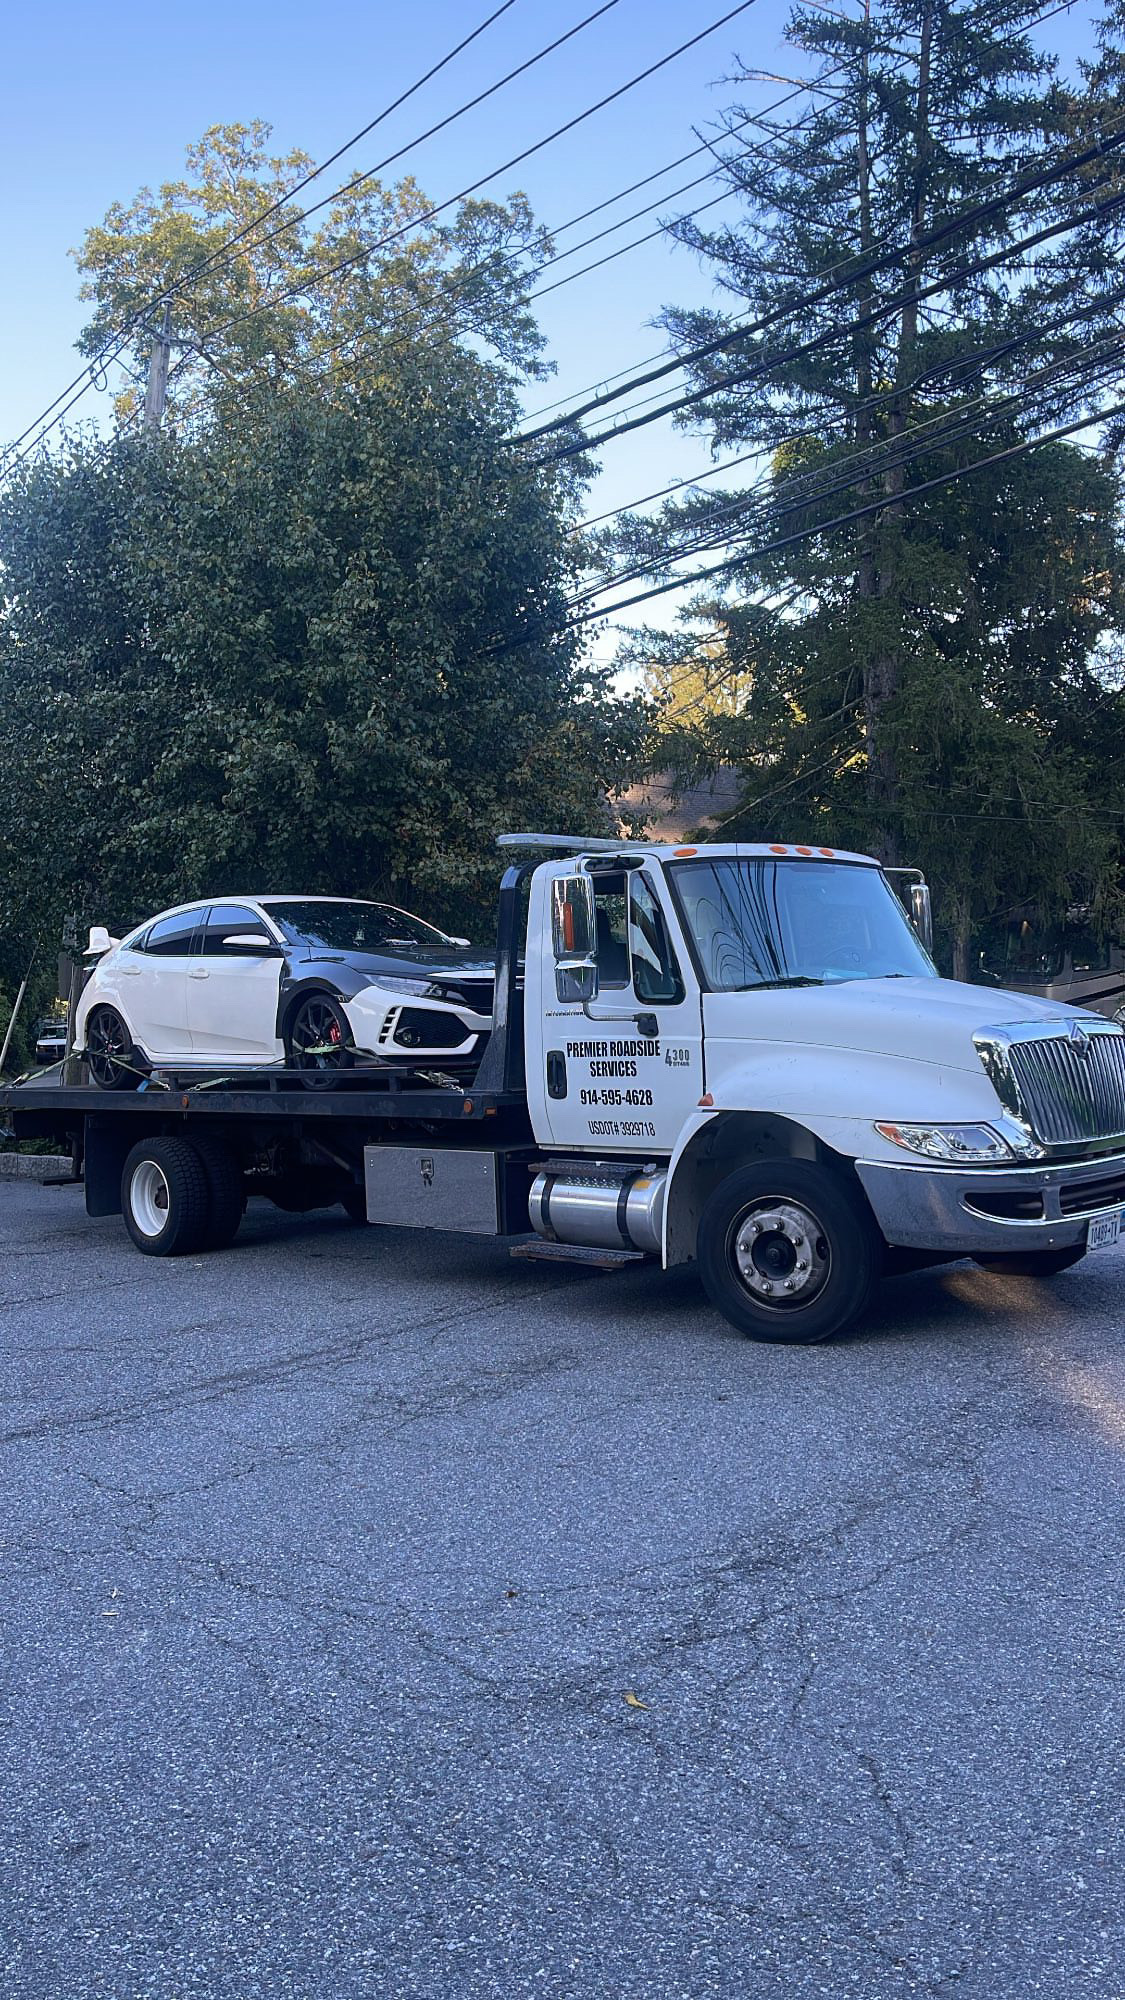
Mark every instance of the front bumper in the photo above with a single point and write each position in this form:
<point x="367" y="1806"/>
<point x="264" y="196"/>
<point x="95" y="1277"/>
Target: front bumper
<point x="957" y="1209"/>
<point x="375" y="1015"/>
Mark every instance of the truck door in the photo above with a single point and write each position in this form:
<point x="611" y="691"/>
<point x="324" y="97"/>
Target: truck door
<point x="624" y="1073"/>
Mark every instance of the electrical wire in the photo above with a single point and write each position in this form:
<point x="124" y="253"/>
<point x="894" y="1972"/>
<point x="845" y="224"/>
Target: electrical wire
<point x="864" y="267"/>
<point x="368" y="250"/>
<point x="855" y="514"/>
<point x="108" y="352"/>
<point x="913" y="294"/>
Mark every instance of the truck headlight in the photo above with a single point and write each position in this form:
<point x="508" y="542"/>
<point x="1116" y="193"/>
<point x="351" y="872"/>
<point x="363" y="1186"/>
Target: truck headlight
<point x="969" y="1144"/>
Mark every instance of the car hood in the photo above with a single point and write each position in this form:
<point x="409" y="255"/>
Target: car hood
<point x="924" y="1020"/>
<point x="415" y="963"/>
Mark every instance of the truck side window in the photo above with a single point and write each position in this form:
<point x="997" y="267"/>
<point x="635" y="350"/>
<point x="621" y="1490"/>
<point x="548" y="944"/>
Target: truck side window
<point x="611" y="927"/>
<point x="656" y="976"/>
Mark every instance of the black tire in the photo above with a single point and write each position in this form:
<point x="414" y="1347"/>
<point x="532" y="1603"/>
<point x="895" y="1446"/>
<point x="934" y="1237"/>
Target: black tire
<point x="318" y="1041"/>
<point x="766" y="1270"/>
<point x="226" y="1193"/>
<point x="165" y="1197"/>
<point x="1033" y="1263"/>
<point x="354" y="1204"/>
<point x="110" y="1051"/>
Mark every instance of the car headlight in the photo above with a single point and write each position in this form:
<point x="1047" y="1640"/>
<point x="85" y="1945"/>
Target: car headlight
<point x="390" y="983"/>
<point x="976" y="1144"/>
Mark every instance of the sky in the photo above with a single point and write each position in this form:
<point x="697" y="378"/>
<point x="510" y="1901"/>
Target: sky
<point x="108" y="102"/>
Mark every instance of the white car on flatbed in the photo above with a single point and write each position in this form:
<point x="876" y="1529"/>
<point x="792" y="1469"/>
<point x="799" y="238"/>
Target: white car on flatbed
<point x="315" y="983"/>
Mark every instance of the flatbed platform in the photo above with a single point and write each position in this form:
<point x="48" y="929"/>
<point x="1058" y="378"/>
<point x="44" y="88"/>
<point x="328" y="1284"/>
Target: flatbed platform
<point x="260" y="1094"/>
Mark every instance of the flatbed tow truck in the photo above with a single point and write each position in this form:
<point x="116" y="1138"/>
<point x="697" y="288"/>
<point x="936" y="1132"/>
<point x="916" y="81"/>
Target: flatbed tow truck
<point x="733" y="1054"/>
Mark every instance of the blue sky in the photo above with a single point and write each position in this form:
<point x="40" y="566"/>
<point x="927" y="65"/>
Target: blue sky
<point x="108" y="101"/>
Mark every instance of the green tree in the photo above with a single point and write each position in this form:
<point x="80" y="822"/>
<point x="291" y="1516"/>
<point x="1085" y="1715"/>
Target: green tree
<point x="311" y="648"/>
<point x="923" y="679"/>
<point x="298" y="299"/>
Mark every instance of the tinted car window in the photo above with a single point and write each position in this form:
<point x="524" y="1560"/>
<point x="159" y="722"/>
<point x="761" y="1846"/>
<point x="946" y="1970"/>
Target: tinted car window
<point x="227" y="920"/>
<point x="354" y="927"/>
<point x="171" y="937"/>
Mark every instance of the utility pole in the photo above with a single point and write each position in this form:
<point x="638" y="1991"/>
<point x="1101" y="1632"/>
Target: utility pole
<point x="157" y="386"/>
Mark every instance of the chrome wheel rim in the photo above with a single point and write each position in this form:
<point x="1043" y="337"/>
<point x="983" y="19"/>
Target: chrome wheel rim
<point x="779" y="1251"/>
<point x="149" y="1198"/>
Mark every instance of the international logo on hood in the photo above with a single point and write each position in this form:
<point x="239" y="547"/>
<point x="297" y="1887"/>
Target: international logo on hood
<point x="1080" y="1039"/>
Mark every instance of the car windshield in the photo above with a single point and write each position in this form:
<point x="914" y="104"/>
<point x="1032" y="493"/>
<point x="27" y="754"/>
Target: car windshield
<point x="758" y="922"/>
<point x="354" y="927"/>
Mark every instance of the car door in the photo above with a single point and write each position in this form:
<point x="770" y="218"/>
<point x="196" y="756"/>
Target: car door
<point x="153" y="985"/>
<point x="233" y="988"/>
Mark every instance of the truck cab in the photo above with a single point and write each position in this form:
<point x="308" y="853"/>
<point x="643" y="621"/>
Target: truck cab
<point x="757" y="1032"/>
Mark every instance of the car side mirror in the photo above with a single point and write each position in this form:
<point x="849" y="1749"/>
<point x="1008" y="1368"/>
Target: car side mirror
<point x="251" y="941"/>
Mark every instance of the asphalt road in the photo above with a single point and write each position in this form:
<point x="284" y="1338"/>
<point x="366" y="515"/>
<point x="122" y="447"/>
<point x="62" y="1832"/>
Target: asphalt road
<point x="336" y="1566"/>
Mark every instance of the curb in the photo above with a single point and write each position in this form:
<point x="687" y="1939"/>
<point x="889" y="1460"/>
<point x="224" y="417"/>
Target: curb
<point x="33" y="1166"/>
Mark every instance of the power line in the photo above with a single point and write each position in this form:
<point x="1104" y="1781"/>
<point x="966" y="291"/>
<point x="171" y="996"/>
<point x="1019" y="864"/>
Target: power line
<point x="877" y="459"/>
<point x="416" y="222"/>
<point x="855" y="514"/>
<point x="107" y="353"/>
<point x="863" y="268"/>
<point x="959" y="274"/>
<point x="933" y="373"/>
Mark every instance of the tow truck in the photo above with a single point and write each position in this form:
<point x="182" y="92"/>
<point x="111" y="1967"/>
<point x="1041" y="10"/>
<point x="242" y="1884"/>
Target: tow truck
<point x="738" y="1055"/>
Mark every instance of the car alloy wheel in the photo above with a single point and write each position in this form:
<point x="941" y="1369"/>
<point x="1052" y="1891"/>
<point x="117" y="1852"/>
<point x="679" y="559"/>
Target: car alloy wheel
<point x="319" y="1043"/>
<point x="109" y="1051"/>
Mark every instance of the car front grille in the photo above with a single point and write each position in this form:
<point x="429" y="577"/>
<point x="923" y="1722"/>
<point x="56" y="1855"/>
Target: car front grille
<point x="1071" y="1091"/>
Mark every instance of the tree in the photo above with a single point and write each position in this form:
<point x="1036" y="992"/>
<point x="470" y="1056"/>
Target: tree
<point x="923" y="673"/>
<point x="294" y="300"/>
<point x="309" y="649"/>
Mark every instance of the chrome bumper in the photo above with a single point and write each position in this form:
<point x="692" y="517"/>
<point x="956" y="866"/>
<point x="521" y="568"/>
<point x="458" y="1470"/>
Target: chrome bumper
<point x="943" y="1208"/>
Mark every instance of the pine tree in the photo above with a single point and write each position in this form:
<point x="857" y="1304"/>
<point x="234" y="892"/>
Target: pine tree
<point x="888" y="359"/>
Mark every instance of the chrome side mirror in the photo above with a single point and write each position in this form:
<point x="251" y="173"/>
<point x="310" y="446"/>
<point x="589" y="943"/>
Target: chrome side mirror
<point x="574" y="937"/>
<point x="921" y="913"/>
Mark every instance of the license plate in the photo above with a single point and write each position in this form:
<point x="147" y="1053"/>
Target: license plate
<point x="1102" y="1230"/>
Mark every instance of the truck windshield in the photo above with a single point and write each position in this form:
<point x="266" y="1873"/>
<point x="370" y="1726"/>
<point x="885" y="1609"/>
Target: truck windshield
<point x="758" y="922"/>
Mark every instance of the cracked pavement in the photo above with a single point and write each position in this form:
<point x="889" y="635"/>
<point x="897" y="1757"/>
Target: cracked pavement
<point x="329" y="1562"/>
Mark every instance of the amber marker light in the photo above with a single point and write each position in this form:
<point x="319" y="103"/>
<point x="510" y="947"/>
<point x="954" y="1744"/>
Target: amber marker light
<point x="680" y="853"/>
<point x="707" y="1100"/>
<point x="776" y="848"/>
<point x="829" y="853"/>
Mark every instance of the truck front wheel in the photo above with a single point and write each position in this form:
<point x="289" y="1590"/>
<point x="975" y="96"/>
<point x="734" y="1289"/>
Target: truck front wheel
<point x="788" y="1252"/>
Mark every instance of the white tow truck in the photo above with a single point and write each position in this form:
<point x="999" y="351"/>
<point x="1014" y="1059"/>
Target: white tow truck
<point x="733" y="1054"/>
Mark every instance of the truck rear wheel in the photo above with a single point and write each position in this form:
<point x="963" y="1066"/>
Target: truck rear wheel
<point x="226" y="1192"/>
<point x="165" y="1198"/>
<point x="788" y="1252"/>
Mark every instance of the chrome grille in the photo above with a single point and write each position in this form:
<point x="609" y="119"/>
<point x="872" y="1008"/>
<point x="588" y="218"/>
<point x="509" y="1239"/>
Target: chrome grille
<point x="1071" y="1090"/>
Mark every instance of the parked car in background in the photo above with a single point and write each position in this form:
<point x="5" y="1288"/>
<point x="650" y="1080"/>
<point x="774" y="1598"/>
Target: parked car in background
<point x="314" y="983"/>
<point x="50" y="1039"/>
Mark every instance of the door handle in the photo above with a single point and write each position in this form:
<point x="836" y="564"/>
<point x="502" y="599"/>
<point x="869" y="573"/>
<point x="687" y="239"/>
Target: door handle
<point x="556" y="1073"/>
<point x="197" y="972"/>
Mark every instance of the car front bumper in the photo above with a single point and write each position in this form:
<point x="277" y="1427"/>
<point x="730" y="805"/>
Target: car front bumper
<point x="1045" y="1207"/>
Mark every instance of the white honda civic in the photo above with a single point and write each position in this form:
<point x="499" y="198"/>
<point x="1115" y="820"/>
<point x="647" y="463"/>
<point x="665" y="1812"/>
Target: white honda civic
<point x="313" y="983"/>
